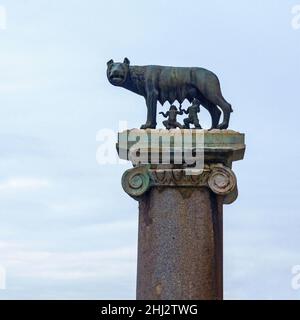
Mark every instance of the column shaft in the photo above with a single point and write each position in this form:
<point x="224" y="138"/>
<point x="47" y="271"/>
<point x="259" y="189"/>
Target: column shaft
<point x="180" y="244"/>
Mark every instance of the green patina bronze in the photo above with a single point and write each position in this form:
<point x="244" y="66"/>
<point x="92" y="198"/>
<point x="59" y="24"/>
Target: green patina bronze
<point x="164" y="83"/>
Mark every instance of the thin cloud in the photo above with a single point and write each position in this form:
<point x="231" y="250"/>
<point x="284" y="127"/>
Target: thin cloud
<point x="23" y="184"/>
<point x="21" y="261"/>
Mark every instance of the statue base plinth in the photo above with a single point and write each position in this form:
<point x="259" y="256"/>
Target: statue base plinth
<point x="180" y="250"/>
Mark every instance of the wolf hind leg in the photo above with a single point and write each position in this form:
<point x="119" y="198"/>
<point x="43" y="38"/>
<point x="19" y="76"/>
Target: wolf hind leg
<point x="214" y="111"/>
<point x="227" y="109"/>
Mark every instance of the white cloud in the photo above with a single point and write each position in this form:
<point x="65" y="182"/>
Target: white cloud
<point x="15" y="88"/>
<point x="24" y="262"/>
<point x="113" y="227"/>
<point x="23" y="184"/>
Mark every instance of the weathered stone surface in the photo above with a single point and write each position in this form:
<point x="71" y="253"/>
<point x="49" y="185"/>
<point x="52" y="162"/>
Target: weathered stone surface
<point x="180" y="250"/>
<point x="180" y="245"/>
<point x="221" y="146"/>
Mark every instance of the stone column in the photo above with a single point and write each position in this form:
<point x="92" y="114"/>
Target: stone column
<point x="180" y="241"/>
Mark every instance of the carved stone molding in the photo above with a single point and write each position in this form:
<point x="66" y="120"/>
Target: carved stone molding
<point x="178" y="178"/>
<point x="220" y="179"/>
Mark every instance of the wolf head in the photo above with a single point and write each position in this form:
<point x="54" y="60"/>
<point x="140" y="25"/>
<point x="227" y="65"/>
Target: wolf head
<point x="117" y="72"/>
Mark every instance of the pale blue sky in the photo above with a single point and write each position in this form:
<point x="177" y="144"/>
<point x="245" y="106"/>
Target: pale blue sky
<point x="67" y="229"/>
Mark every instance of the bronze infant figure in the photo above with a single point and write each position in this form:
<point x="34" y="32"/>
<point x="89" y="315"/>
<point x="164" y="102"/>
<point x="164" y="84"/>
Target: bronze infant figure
<point x="172" y="122"/>
<point x="192" y="112"/>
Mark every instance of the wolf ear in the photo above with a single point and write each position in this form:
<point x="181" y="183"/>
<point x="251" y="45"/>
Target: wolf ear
<point x="110" y="62"/>
<point x="126" y="61"/>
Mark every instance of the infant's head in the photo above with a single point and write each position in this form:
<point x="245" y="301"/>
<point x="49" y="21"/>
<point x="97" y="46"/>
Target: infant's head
<point x="196" y="102"/>
<point x="173" y="107"/>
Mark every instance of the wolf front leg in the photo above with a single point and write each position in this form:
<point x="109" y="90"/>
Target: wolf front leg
<point x="151" y="102"/>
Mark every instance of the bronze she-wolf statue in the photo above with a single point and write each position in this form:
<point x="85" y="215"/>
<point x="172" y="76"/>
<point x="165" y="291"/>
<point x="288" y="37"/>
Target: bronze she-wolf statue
<point x="160" y="83"/>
